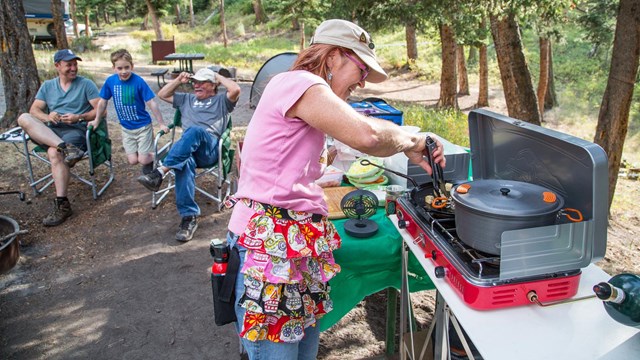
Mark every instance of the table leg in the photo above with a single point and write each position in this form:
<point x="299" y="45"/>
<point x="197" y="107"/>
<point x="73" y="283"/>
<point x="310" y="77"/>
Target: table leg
<point x="392" y="302"/>
<point x="404" y="303"/>
<point x="441" y="317"/>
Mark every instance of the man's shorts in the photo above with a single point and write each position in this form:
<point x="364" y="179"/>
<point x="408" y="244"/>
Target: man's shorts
<point x="138" y="140"/>
<point x="72" y="134"/>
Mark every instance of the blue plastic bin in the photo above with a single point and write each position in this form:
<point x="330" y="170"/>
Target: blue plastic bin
<point x="378" y="108"/>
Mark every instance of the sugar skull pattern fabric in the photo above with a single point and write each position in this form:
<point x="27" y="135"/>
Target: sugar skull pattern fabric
<point x="288" y="264"/>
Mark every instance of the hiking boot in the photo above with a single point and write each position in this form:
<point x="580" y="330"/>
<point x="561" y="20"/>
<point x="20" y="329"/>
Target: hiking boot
<point x="147" y="168"/>
<point x="188" y="227"/>
<point x="151" y="181"/>
<point x="71" y="153"/>
<point x="61" y="211"/>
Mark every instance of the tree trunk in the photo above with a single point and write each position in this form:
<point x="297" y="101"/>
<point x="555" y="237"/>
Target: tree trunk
<point x="472" y="59"/>
<point x="17" y="63"/>
<point x="412" y="43"/>
<point x="258" y="9"/>
<point x="72" y="6"/>
<point x="178" y="14"/>
<point x="97" y="18"/>
<point x="514" y="73"/>
<point x="550" y="99"/>
<point x="145" y="22"/>
<point x="544" y="74"/>
<point x="105" y="16"/>
<point x="154" y="20"/>
<point x="192" y="17"/>
<point x="87" y="22"/>
<point x="483" y="70"/>
<point x="302" y="38"/>
<point x="448" y="81"/>
<point x="295" y="25"/>
<point x="223" y="24"/>
<point x="613" y="119"/>
<point x="463" y="78"/>
<point x="57" y="10"/>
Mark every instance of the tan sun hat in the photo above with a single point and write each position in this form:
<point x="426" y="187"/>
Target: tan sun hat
<point x="351" y="36"/>
<point x="205" y="75"/>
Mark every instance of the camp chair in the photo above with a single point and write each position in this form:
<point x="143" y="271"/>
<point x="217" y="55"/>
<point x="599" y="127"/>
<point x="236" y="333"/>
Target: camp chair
<point x="220" y="170"/>
<point x="98" y="153"/>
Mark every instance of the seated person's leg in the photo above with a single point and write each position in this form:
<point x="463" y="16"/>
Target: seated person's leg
<point x="207" y="153"/>
<point x="68" y="139"/>
<point x="38" y="131"/>
<point x="75" y="143"/>
<point x="185" y="200"/>
<point x="61" y="209"/>
<point x="195" y="142"/>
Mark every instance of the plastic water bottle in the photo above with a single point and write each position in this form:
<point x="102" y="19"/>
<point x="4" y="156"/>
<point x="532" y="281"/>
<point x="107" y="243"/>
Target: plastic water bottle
<point x="219" y="249"/>
<point x="621" y="298"/>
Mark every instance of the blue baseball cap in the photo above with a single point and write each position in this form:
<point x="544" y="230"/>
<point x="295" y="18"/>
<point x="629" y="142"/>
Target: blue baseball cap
<point x="65" y="55"/>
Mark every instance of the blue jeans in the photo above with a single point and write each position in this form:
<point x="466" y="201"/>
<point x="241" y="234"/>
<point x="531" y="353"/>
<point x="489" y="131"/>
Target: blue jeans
<point x="307" y="349"/>
<point x="196" y="148"/>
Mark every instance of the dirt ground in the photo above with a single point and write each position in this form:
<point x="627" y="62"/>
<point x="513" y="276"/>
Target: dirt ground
<point x="112" y="283"/>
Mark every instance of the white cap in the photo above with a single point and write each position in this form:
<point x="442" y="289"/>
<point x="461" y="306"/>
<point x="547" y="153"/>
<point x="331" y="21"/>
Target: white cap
<point x="205" y="75"/>
<point x="351" y="36"/>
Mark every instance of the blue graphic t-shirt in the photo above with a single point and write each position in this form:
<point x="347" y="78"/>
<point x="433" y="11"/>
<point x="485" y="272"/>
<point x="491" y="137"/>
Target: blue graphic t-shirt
<point x="129" y="99"/>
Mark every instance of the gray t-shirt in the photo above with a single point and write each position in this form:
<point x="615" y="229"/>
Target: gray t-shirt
<point x="73" y="101"/>
<point x="208" y="113"/>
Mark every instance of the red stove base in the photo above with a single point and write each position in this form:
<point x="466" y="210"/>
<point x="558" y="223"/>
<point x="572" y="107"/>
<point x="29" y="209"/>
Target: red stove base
<point x="482" y="297"/>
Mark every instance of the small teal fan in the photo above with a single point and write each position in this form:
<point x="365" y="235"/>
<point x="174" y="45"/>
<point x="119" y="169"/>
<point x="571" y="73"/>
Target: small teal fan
<point x="358" y="206"/>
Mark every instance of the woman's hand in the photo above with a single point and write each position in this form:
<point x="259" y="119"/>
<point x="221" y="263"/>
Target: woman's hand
<point x="416" y="154"/>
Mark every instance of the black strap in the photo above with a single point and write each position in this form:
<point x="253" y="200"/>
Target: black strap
<point x="229" y="284"/>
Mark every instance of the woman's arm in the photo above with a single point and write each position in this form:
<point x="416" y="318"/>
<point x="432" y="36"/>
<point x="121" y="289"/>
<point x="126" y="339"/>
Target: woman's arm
<point x="369" y="135"/>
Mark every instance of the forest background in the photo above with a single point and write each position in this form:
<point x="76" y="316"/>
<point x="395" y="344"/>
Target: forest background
<point x="456" y="45"/>
<point x="541" y="52"/>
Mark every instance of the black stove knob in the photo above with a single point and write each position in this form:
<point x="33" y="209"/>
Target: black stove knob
<point x="440" y="272"/>
<point x="402" y="224"/>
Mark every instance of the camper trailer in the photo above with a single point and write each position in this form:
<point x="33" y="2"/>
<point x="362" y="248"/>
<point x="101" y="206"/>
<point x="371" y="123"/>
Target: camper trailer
<point x="40" y="19"/>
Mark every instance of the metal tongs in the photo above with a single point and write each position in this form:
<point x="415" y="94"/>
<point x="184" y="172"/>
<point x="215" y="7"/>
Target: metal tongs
<point x="437" y="177"/>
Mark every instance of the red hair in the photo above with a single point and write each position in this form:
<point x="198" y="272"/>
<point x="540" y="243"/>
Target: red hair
<point x="314" y="59"/>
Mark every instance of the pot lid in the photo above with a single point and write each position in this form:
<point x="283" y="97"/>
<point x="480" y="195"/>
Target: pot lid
<point x="507" y="198"/>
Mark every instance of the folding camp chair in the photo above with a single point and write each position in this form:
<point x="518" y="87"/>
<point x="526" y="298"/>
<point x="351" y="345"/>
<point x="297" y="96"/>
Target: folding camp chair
<point x="98" y="153"/>
<point x="220" y="170"/>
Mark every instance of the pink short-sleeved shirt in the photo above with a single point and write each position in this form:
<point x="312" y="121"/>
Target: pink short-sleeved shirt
<point x="281" y="156"/>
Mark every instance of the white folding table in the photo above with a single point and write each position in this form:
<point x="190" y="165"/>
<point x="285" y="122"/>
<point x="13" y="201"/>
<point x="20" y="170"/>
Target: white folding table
<point x="573" y="330"/>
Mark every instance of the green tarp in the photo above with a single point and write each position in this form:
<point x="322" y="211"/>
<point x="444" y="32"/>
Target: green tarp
<point x="368" y="266"/>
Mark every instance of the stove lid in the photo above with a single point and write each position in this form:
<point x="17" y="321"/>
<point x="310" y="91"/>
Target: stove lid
<point x="576" y="169"/>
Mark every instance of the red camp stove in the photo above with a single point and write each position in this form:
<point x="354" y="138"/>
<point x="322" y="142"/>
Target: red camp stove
<point x="475" y="275"/>
<point x="545" y="261"/>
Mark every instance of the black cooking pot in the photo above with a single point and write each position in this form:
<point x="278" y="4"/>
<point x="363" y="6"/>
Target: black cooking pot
<point x="484" y="209"/>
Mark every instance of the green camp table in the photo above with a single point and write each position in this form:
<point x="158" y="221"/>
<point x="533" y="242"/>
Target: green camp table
<point x="368" y="266"/>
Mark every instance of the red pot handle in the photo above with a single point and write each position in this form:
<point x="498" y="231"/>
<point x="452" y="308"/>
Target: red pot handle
<point x="563" y="212"/>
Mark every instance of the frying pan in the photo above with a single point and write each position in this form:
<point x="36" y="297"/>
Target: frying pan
<point x="419" y="192"/>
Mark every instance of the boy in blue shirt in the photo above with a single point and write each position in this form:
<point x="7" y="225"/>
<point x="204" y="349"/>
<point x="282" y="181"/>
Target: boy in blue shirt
<point x="131" y="95"/>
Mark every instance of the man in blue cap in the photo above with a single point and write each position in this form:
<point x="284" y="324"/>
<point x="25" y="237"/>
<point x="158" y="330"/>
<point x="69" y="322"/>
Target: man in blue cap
<point x="56" y="120"/>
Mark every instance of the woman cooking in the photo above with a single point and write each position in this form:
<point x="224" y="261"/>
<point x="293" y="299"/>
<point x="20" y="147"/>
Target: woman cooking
<point x="279" y="222"/>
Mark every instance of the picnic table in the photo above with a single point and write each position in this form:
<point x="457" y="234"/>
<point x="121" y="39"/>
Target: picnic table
<point x="185" y="61"/>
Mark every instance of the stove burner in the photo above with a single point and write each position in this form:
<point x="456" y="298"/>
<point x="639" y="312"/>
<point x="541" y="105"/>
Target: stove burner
<point x="477" y="262"/>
